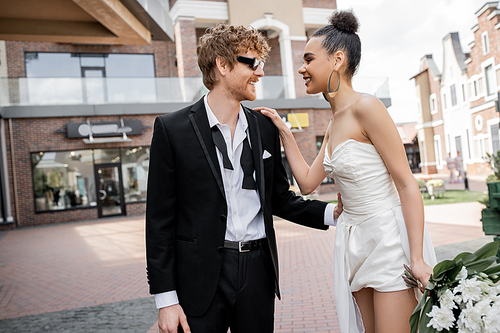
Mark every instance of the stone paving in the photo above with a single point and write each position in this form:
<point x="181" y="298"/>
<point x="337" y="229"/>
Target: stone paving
<point x="90" y="276"/>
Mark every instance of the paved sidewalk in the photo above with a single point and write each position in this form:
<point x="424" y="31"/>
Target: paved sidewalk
<point x="90" y="276"/>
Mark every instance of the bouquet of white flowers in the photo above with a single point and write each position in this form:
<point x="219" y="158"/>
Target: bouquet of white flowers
<point x="463" y="295"/>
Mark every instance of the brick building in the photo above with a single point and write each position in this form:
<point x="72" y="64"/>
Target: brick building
<point x="458" y="106"/>
<point x="81" y="85"/>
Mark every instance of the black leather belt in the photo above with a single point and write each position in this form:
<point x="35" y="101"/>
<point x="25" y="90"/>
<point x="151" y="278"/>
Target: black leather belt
<point x="245" y="246"/>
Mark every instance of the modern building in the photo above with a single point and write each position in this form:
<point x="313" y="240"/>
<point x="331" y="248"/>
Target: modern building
<point x="457" y="107"/>
<point x="81" y="83"/>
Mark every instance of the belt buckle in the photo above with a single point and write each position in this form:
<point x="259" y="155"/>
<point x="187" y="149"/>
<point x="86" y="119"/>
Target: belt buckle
<point x="244" y="246"/>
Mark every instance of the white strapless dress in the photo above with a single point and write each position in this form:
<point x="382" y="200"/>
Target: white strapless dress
<point x="371" y="242"/>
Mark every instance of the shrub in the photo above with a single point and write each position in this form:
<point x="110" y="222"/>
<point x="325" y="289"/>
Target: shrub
<point x="435" y="182"/>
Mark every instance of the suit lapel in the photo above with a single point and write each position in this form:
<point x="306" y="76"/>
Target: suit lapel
<point x="199" y="120"/>
<point x="255" y="140"/>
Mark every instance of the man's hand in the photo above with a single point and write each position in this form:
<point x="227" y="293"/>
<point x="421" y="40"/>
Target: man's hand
<point x="170" y="317"/>
<point x="339" y="208"/>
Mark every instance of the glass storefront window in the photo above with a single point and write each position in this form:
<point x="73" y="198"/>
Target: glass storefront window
<point x="67" y="180"/>
<point x="63" y="180"/>
<point x="135" y="163"/>
<point x="106" y="155"/>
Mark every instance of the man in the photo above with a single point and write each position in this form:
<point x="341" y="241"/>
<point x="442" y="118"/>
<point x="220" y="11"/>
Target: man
<point x="215" y="180"/>
<point x="459" y="163"/>
<point x="450" y="164"/>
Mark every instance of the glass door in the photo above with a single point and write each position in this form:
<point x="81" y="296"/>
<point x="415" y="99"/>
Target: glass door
<point x="110" y="200"/>
<point x="94" y="84"/>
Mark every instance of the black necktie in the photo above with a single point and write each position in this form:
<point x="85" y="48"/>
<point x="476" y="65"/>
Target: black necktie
<point x="220" y="143"/>
<point x="246" y="162"/>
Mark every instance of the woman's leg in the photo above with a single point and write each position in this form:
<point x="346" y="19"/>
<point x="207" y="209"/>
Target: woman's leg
<point x="393" y="310"/>
<point x="364" y="298"/>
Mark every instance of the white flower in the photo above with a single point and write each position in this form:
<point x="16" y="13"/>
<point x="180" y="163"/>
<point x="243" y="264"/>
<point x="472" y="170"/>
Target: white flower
<point x="492" y="320"/>
<point x="463" y="329"/>
<point x="441" y="318"/>
<point x="483" y="306"/>
<point x="470" y="318"/>
<point x="447" y="300"/>
<point x="470" y="289"/>
<point x="462" y="274"/>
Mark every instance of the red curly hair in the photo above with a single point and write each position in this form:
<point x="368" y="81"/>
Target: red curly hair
<point x="227" y="41"/>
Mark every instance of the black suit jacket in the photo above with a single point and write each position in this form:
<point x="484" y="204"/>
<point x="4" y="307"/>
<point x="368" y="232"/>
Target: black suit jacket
<point x="187" y="210"/>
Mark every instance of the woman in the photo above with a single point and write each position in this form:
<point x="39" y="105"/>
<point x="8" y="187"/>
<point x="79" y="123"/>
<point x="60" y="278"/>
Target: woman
<point x="382" y="225"/>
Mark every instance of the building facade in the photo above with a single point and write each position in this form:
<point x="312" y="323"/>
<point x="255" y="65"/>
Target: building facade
<point x="458" y="110"/>
<point x="77" y="110"/>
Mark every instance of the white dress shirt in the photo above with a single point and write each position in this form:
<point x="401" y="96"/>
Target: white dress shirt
<point x="245" y="220"/>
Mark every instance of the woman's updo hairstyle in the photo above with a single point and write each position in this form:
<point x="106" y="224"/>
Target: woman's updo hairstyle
<point x="341" y="35"/>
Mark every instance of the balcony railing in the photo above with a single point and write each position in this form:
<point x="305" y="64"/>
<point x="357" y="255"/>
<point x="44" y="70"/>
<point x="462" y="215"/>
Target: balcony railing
<point x="96" y="91"/>
<point x="71" y="91"/>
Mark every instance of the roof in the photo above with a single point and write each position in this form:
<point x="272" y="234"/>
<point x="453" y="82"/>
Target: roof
<point x="457" y="48"/>
<point x="407" y="132"/>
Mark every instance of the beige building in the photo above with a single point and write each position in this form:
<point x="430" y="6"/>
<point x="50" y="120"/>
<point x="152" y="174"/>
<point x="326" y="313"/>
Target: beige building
<point x="458" y="107"/>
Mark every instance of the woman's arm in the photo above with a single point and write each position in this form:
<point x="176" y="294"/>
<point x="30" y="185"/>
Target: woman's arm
<point x="379" y="128"/>
<point x="307" y="177"/>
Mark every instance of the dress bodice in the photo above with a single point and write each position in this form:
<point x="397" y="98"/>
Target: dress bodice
<point x="363" y="180"/>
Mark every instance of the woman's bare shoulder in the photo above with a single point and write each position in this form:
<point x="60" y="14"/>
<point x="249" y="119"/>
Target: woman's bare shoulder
<point x="368" y="106"/>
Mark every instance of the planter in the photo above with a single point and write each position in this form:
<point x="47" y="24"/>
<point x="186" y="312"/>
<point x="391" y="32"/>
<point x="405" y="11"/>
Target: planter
<point x="494" y="194"/>
<point x="435" y="190"/>
<point x="491" y="221"/>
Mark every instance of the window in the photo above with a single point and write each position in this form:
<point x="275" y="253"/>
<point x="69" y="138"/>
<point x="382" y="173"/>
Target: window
<point x="490" y="80"/>
<point x="438" y="152"/>
<point x="444" y="101"/>
<point x="135" y="164"/>
<point x="40" y="64"/>
<point x="486" y="44"/>
<point x="464" y="97"/>
<point x="495" y="141"/>
<point x="453" y="93"/>
<point x="433" y="103"/>
<point x="319" y="142"/>
<point x="458" y="144"/>
<point x="63" y="180"/>
<point x="468" y="143"/>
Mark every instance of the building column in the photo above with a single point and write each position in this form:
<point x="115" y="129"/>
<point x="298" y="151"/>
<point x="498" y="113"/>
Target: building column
<point x="5" y="208"/>
<point x="298" y="45"/>
<point x="185" y="46"/>
<point x="287" y="64"/>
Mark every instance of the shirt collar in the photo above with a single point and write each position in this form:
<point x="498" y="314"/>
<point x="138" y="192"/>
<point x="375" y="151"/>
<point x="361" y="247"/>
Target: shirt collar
<point x="212" y="119"/>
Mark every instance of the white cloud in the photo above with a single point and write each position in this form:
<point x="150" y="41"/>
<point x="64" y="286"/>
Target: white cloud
<point x="396" y="34"/>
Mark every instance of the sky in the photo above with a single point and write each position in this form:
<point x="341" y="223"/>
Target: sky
<point x="396" y="34"/>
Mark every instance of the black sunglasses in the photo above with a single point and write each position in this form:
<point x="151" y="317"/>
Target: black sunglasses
<point x="253" y="62"/>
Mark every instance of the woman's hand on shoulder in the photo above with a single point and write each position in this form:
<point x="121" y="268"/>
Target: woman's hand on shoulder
<point x="274" y="116"/>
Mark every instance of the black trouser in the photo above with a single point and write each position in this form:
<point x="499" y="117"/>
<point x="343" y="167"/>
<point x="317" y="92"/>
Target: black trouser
<point x="244" y="300"/>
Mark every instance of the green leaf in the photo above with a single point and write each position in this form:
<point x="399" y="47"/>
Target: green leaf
<point x="480" y="265"/>
<point x="425" y="319"/>
<point x="415" y="316"/>
<point x="488" y="250"/>
<point x="466" y="257"/>
<point x="493" y="270"/>
<point x="430" y="285"/>
<point x="452" y="274"/>
<point x="443" y="267"/>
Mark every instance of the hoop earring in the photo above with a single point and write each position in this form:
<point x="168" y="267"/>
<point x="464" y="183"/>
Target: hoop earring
<point x="330" y="92"/>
